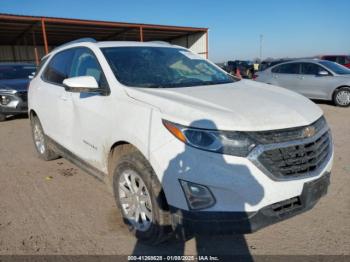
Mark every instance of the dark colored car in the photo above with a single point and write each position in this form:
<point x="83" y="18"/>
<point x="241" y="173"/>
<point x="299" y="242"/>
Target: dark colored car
<point x="340" y="59"/>
<point x="245" y="67"/>
<point x="14" y="81"/>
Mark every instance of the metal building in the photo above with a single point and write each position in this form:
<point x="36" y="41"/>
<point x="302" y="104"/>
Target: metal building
<point x="28" y="38"/>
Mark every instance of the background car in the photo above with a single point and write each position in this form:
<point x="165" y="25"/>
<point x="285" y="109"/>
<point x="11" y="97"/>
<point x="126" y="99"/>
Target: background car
<point x="14" y="81"/>
<point x="313" y="78"/>
<point x="340" y="59"/>
<point x="245" y="67"/>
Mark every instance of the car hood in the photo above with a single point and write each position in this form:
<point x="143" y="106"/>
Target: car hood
<point x="15" y="84"/>
<point x="242" y="106"/>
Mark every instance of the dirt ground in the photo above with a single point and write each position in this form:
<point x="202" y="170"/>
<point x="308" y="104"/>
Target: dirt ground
<point x="55" y="208"/>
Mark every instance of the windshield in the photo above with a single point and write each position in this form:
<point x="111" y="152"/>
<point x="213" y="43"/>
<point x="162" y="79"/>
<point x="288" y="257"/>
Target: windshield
<point x="16" y="71"/>
<point x="158" y="67"/>
<point x="336" y="68"/>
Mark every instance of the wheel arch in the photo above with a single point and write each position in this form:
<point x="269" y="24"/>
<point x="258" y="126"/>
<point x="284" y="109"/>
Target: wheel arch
<point x="121" y="145"/>
<point x="337" y="88"/>
<point x="32" y="114"/>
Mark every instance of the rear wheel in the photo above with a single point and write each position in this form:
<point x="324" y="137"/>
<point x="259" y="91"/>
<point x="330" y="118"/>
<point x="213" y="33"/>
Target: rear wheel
<point x="2" y="117"/>
<point x="42" y="146"/>
<point x="139" y="196"/>
<point x="341" y="97"/>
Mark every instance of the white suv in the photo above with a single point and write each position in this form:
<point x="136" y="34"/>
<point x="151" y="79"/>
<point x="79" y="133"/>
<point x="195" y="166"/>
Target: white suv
<point x="185" y="147"/>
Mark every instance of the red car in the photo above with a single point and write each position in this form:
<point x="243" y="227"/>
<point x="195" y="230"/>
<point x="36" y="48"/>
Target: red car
<point x="340" y="59"/>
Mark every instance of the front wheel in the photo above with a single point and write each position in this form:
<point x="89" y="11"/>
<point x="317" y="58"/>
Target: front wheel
<point x="341" y="97"/>
<point x="140" y="198"/>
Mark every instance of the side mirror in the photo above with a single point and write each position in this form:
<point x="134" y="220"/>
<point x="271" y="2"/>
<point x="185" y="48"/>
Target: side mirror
<point x="323" y="73"/>
<point x="82" y="84"/>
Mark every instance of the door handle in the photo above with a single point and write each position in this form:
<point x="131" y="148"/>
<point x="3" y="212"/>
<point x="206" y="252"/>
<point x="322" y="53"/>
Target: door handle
<point x="275" y="76"/>
<point x="301" y="77"/>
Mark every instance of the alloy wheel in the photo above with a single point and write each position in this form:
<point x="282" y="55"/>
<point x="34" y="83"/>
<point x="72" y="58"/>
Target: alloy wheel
<point x="39" y="138"/>
<point x="135" y="200"/>
<point x="343" y="97"/>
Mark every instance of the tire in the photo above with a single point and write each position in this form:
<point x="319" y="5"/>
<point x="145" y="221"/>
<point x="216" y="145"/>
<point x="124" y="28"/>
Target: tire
<point x="43" y="148"/>
<point x="144" y="196"/>
<point x="2" y="117"/>
<point x="341" y="97"/>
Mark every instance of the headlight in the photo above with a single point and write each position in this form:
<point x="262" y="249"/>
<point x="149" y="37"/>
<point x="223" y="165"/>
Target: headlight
<point x="5" y="100"/>
<point x="224" y="142"/>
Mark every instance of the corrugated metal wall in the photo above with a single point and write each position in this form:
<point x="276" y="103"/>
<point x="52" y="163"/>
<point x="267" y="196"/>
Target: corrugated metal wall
<point x="197" y="43"/>
<point x="19" y="53"/>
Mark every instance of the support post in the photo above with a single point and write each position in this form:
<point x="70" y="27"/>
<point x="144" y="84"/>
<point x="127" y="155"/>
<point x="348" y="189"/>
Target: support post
<point x="44" y="35"/>
<point x="14" y="53"/>
<point x="206" y="43"/>
<point x="141" y="34"/>
<point x="35" y="50"/>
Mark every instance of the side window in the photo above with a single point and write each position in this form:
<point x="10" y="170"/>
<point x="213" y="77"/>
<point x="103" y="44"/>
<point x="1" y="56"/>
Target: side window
<point x="276" y="69"/>
<point x="41" y="64"/>
<point x="291" y="68"/>
<point x="310" y="69"/>
<point x="58" y="68"/>
<point x="85" y="64"/>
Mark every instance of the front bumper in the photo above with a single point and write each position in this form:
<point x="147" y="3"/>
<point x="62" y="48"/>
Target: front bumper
<point x="23" y="109"/>
<point x="17" y="105"/>
<point x="248" y="222"/>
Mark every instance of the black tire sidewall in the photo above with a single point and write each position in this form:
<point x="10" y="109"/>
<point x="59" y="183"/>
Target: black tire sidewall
<point x="136" y="162"/>
<point x="336" y="93"/>
<point x="46" y="155"/>
<point x="2" y="117"/>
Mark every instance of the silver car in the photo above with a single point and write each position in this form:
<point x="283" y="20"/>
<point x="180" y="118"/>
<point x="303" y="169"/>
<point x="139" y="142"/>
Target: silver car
<point x="313" y="78"/>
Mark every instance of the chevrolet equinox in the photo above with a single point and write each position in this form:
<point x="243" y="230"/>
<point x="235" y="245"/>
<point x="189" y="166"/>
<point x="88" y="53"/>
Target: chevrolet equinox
<point x="185" y="147"/>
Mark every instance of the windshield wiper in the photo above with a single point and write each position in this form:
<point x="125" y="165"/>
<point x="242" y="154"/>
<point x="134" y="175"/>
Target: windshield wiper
<point x="153" y="86"/>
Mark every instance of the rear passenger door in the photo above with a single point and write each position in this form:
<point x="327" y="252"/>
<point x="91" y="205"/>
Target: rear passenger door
<point x="56" y="103"/>
<point x="286" y="75"/>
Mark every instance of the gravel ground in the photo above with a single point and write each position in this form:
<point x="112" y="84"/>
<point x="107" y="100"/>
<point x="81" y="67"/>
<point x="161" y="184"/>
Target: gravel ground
<point x="55" y="208"/>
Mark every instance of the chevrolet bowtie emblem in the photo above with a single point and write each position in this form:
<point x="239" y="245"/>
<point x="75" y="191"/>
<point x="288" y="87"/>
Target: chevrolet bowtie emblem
<point x="309" y="131"/>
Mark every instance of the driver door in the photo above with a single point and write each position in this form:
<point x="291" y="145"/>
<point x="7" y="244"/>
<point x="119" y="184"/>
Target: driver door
<point x="90" y="110"/>
<point x="312" y="84"/>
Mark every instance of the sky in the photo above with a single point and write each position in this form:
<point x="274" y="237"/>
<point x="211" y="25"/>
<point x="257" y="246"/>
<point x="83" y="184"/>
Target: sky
<point x="290" y="28"/>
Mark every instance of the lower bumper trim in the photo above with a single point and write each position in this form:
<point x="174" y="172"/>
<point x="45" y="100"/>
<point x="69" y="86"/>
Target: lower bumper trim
<point x="14" y="111"/>
<point x="249" y="222"/>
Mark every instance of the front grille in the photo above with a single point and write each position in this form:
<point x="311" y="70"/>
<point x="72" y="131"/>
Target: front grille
<point x="23" y="96"/>
<point x="289" y="134"/>
<point x="297" y="160"/>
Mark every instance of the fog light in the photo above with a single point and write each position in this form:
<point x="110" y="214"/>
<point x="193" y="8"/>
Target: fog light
<point x="4" y="100"/>
<point x="198" y="196"/>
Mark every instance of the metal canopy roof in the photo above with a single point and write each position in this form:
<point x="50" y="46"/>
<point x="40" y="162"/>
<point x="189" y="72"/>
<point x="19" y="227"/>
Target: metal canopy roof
<point x="32" y="30"/>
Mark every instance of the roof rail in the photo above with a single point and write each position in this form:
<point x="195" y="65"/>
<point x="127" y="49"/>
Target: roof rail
<point x="80" y="40"/>
<point x="160" y="42"/>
